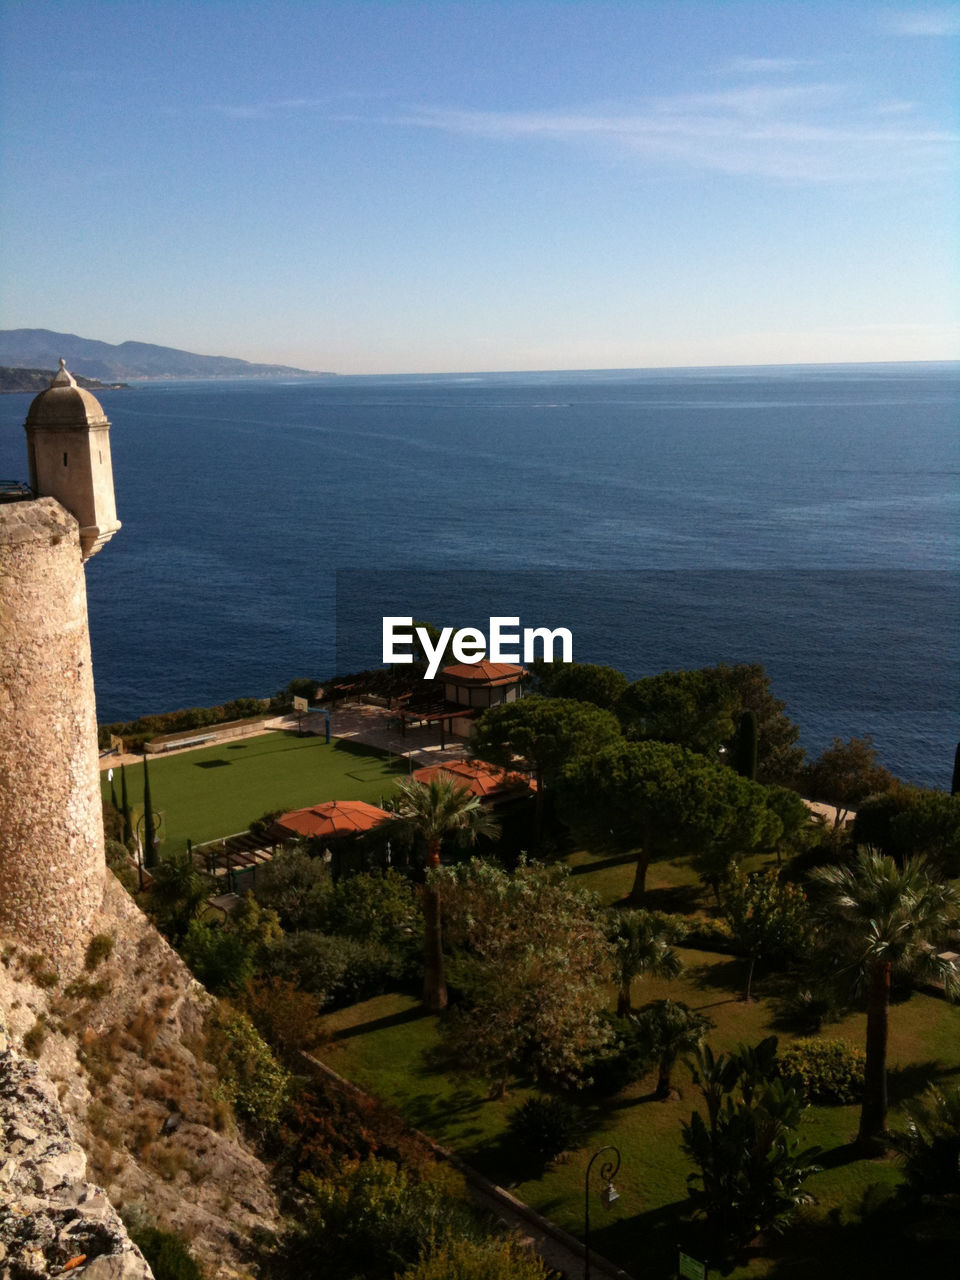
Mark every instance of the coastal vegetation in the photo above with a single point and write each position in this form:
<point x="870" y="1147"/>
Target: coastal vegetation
<point x="749" y="1001"/>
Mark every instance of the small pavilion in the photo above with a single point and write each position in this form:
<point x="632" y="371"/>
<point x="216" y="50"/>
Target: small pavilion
<point x="464" y="691"/>
<point x="493" y="786"/>
<point x="331" y="819"/>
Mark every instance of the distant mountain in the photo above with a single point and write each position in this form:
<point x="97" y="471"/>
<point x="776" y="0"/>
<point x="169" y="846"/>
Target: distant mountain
<point x="39" y="379"/>
<point x="38" y="348"/>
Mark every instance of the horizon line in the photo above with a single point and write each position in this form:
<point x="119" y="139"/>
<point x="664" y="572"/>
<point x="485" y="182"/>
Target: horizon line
<point x="479" y="373"/>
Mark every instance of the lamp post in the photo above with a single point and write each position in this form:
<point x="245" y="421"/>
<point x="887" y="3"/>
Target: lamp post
<point x="140" y="829"/>
<point x="608" y="1196"/>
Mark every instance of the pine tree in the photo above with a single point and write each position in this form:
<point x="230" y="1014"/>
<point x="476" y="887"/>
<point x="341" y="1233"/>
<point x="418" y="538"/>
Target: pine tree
<point x="125" y="809"/>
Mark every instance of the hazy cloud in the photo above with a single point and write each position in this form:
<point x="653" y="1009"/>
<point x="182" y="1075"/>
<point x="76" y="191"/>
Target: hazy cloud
<point x="923" y="22"/>
<point x="794" y="130"/>
<point x="280" y="106"/>
<point x="767" y="66"/>
<point x="813" y="132"/>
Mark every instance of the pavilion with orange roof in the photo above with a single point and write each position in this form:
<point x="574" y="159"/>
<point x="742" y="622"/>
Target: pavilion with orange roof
<point x="466" y="690"/>
<point x="330" y="820"/>
<point x="491" y="784"/>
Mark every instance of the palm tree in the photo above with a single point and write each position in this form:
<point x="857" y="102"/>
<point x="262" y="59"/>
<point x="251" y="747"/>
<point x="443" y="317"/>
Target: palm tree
<point x="433" y="810"/>
<point x="886" y="920"/>
<point x="642" y="942"/>
<point x="668" y="1029"/>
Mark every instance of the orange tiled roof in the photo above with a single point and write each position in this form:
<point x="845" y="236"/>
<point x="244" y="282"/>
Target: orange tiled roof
<point x="481" y="779"/>
<point x="333" y="818"/>
<point x="483" y="672"/>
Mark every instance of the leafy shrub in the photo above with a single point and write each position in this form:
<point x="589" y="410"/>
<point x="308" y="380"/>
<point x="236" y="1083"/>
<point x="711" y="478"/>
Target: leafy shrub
<point x="42" y="973"/>
<point x="218" y="957"/>
<point x="544" y="1126"/>
<point x="326" y="1125"/>
<point x="287" y="1017"/>
<point x="622" y="1061"/>
<point x="374" y="1220"/>
<point x="828" y="1071"/>
<point x="100" y="947"/>
<point x="83" y="989"/>
<point x="120" y="863"/>
<point x="709" y="934"/>
<point x="295" y="886"/>
<point x="344" y="970"/>
<point x="136" y="732"/>
<point x="478" y="1260"/>
<point x="251" y="1079"/>
<point x="34" y="1039"/>
<point x="378" y="908"/>
<point x="166" y="1253"/>
<point x="261" y="826"/>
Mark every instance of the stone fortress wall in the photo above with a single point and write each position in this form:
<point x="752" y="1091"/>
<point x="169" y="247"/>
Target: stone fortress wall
<point x="51" y="827"/>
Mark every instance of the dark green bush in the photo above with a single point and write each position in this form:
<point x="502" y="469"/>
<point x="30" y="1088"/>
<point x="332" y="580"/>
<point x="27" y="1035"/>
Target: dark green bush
<point x="544" y="1126"/>
<point x="166" y="1253"/>
<point x="99" y="948"/>
<point x="249" y="1077"/>
<point x="374" y="1220"/>
<point x="295" y="885"/>
<point x="478" y="1260"/>
<point x="219" y="958"/>
<point x="622" y="1062"/>
<point x="375" y="908"/>
<point x="261" y="827"/>
<point x="344" y="970"/>
<point x="828" y="1071"/>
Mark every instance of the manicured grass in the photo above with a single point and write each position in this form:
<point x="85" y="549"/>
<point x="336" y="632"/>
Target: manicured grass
<point x="672" y="884"/>
<point x="219" y="790"/>
<point x="384" y="1045"/>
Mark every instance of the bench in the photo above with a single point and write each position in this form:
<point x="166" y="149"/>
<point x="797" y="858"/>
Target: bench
<point x="182" y="742"/>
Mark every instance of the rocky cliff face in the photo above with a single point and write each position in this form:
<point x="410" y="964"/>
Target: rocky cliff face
<point x="124" y="1047"/>
<point x="51" y="1219"/>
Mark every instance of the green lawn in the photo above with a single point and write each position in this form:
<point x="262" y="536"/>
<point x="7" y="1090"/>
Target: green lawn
<point x="383" y="1045"/>
<point x="219" y="790"/>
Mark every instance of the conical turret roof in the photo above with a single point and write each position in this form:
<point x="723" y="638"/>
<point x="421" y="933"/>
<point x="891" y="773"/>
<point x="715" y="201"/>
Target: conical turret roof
<point x="64" y="404"/>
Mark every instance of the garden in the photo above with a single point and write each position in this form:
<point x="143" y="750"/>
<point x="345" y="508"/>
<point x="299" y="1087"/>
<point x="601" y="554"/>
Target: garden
<point x="751" y="1004"/>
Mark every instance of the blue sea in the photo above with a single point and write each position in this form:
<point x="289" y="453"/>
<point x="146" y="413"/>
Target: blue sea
<point x="803" y="517"/>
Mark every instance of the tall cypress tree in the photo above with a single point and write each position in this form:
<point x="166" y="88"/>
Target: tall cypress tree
<point x="149" y="844"/>
<point x="125" y="809"/>
<point x="955" y="785"/>
<point x="746" y="757"/>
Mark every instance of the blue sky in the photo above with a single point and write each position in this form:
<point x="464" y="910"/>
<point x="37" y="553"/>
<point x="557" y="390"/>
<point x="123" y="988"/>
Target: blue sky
<point x="373" y="187"/>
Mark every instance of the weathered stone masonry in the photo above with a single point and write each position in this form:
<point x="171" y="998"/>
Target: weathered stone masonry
<point x="51" y="828"/>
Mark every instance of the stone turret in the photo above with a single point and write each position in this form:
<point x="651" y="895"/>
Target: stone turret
<point x="68" y="447"/>
<point x="51" y="828"/>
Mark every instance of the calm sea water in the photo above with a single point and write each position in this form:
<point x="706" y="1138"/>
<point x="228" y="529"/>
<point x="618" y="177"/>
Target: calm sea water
<point x="806" y="518"/>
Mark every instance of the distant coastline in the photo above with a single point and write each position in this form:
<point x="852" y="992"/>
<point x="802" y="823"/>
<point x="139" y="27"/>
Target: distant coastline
<point x="126" y="362"/>
<point x="32" y="381"/>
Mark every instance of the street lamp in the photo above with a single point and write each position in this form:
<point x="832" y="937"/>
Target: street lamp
<point x="140" y="831"/>
<point x="608" y="1195"/>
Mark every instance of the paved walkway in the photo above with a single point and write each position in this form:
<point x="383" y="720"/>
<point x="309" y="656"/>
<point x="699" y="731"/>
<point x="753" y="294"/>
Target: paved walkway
<point x="352" y="721"/>
<point x="828" y="812"/>
<point x="377" y="727"/>
<point x="565" y="1261"/>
